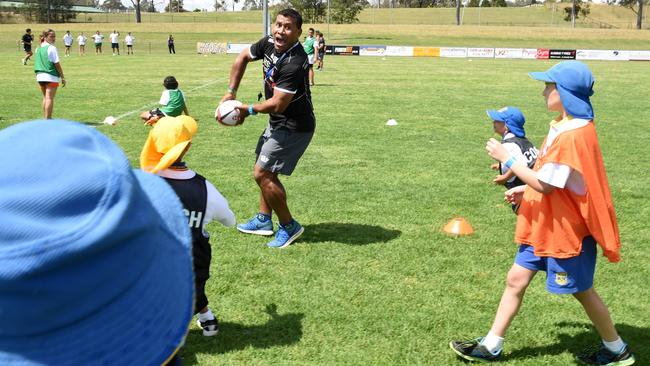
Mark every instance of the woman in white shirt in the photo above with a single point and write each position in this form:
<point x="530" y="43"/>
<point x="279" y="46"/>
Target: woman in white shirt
<point x="81" y="40"/>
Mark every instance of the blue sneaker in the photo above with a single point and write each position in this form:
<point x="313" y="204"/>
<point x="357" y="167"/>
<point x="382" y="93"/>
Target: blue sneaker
<point x="474" y="351"/>
<point x="259" y="225"/>
<point x="603" y="356"/>
<point x="286" y="235"/>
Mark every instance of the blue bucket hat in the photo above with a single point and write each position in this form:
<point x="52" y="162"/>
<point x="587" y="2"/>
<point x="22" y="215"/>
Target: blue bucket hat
<point x="95" y="258"/>
<point x="512" y="117"/>
<point x="574" y="82"/>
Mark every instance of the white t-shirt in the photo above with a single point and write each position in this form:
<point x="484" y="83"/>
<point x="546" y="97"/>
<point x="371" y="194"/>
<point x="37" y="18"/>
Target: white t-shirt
<point x="217" y="206"/>
<point x="53" y="57"/>
<point x="98" y="38"/>
<point x="81" y="40"/>
<point x="560" y="175"/>
<point x="129" y="40"/>
<point x="114" y="37"/>
<point x="164" y="97"/>
<point x="67" y="39"/>
<point x="515" y="152"/>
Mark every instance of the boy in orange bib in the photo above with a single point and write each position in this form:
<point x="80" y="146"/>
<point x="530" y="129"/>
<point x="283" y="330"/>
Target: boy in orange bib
<point x="565" y="209"/>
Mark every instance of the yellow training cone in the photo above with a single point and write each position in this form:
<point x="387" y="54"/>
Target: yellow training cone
<point x="458" y="226"/>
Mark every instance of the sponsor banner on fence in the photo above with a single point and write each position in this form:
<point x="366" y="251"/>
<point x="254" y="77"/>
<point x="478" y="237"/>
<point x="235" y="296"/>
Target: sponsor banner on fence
<point x="638" y="55"/>
<point x="562" y="54"/>
<point x="207" y="48"/>
<point x="237" y="47"/>
<point x="611" y="55"/>
<point x="399" y="51"/>
<point x="453" y="52"/>
<point x="508" y="52"/>
<point x="480" y="52"/>
<point x="542" y="53"/>
<point x="342" y="50"/>
<point x="529" y="53"/>
<point x="426" y="51"/>
<point x="372" y="51"/>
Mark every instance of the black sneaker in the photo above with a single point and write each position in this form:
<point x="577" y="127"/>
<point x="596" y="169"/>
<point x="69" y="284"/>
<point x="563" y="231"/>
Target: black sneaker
<point x="210" y="327"/>
<point x="603" y="356"/>
<point x="474" y="351"/>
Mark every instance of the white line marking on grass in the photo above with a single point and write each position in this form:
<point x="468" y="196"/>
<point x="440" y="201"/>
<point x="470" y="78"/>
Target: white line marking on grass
<point x="150" y="105"/>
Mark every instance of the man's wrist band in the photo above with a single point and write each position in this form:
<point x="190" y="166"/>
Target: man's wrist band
<point x="509" y="162"/>
<point x="232" y="91"/>
<point x="250" y="110"/>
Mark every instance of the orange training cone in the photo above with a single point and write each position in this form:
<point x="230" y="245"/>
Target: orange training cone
<point x="458" y="226"/>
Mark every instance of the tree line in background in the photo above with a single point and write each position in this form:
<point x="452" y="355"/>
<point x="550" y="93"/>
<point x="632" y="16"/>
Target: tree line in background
<point x="313" y="11"/>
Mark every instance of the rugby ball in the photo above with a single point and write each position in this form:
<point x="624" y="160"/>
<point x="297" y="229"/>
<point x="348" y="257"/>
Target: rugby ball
<point x="227" y="112"/>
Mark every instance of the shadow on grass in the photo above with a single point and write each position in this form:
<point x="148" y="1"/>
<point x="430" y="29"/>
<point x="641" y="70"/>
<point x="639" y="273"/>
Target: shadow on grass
<point x="93" y="124"/>
<point x="638" y="338"/>
<point x="280" y="330"/>
<point x="346" y="233"/>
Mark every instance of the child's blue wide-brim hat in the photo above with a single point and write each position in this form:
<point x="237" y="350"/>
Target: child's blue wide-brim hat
<point x="512" y="117"/>
<point x="95" y="258"/>
<point x="574" y="81"/>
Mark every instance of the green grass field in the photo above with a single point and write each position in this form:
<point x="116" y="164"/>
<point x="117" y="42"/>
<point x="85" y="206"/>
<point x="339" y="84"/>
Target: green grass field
<point x="374" y="281"/>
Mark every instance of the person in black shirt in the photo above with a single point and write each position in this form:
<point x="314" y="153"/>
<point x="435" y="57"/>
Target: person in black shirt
<point x="27" y="45"/>
<point x="291" y="121"/>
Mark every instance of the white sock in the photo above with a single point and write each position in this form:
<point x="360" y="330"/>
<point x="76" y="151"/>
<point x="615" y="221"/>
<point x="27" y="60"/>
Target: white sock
<point x="493" y="343"/>
<point x="616" y="347"/>
<point x="204" y="317"/>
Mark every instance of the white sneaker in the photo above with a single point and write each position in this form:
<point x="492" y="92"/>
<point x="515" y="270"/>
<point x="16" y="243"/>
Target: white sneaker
<point x="210" y="327"/>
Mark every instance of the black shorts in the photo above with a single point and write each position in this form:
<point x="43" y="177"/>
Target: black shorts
<point x="321" y="55"/>
<point x="202" y="255"/>
<point x="27" y="48"/>
<point x="115" y="45"/>
<point x="156" y="112"/>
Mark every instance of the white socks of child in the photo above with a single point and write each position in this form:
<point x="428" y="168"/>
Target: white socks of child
<point x="493" y="343"/>
<point x="616" y="347"/>
<point x="204" y="317"/>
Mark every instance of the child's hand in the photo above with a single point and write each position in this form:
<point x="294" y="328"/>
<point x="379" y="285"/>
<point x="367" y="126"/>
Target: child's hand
<point x="497" y="151"/>
<point x="494" y="166"/>
<point x="500" y="179"/>
<point x="514" y="195"/>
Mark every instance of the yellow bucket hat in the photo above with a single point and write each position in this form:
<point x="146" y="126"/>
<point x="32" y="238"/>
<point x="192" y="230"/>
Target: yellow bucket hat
<point x="166" y="142"/>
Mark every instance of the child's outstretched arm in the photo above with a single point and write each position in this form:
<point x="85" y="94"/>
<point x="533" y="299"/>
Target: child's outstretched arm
<point x="504" y="178"/>
<point x="520" y="169"/>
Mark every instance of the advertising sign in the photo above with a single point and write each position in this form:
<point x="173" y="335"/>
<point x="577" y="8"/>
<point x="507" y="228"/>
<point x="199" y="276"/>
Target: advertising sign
<point x="638" y="55"/>
<point x="399" y="51"/>
<point x="453" y="52"/>
<point x="372" y="51"/>
<point x="529" y="53"/>
<point x="237" y="47"/>
<point x="611" y="55"/>
<point x="542" y="53"/>
<point x="207" y="48"/>
<point x="426" y="51"/>
<point x="342" y="50"/>
<point x="508" y="52"/>
<point x="477" y="52"/>
<point x="562" y="54"/>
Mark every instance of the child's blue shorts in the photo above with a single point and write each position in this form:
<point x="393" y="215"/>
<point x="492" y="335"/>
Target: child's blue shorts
<point x="563" y="276"/>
